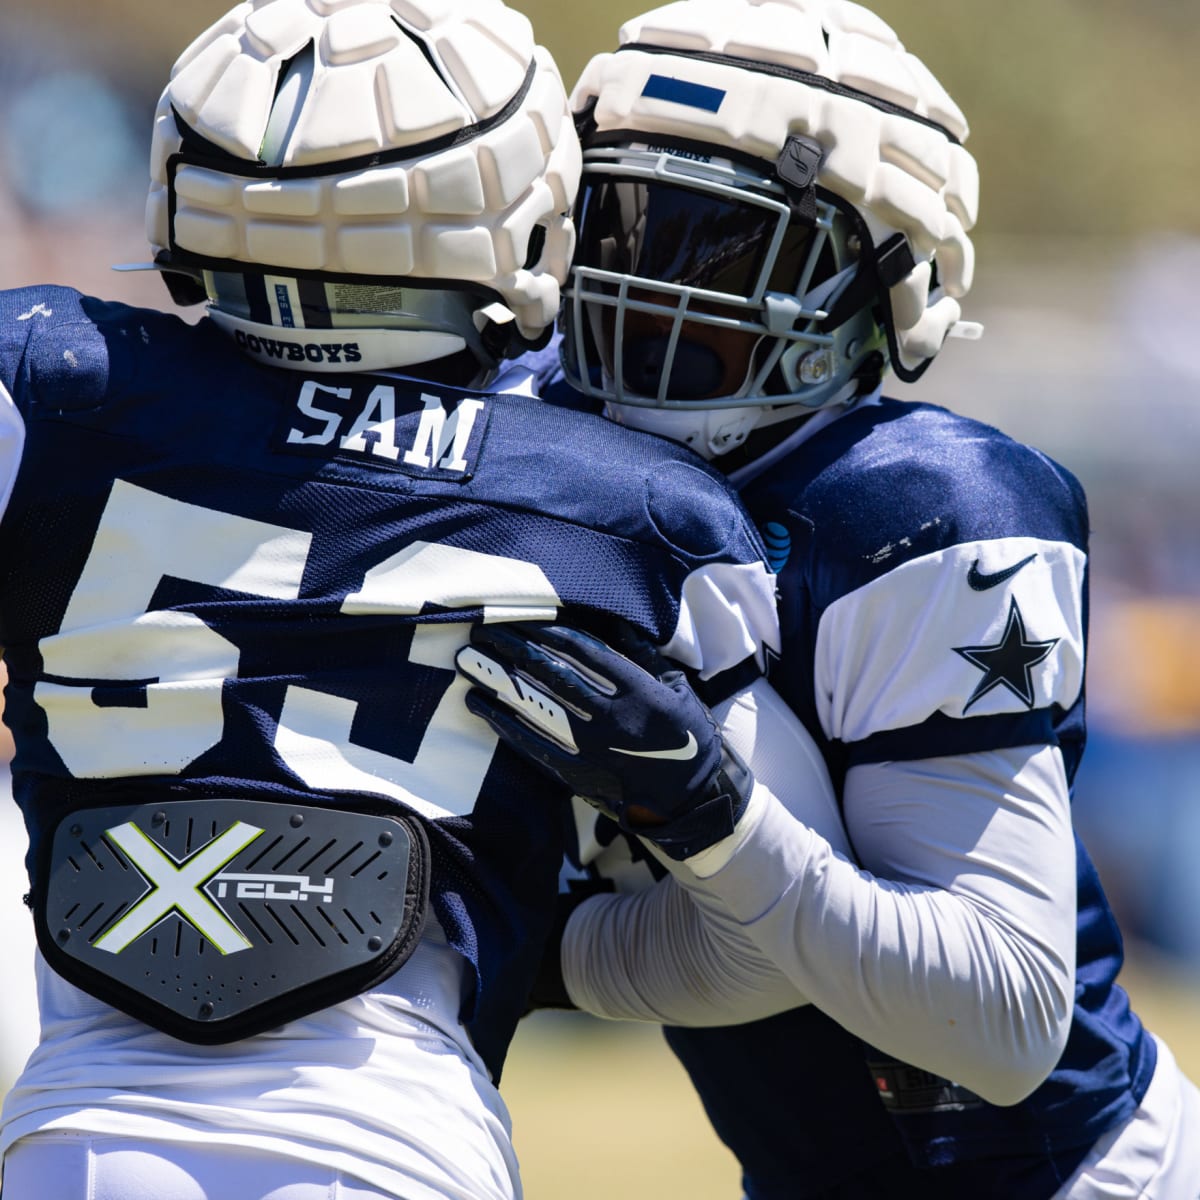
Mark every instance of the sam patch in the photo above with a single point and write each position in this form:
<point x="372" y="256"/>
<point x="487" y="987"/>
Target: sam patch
<point x="390" y="425"/>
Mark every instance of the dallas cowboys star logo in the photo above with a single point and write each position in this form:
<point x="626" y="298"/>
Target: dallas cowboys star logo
<point x="1009" y="663"/>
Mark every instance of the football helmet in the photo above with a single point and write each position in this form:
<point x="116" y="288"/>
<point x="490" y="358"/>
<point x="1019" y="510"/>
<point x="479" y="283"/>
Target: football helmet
<point x="389" y="178"/>
<point x="774" y="209"/>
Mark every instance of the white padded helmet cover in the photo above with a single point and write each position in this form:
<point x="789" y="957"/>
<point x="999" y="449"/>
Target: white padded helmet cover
<point x="386" y="75"/>
<point x="903" y="174"/>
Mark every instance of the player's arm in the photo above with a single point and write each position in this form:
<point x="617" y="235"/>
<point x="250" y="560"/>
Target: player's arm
<point x="656" y="954"/>
<point x="653" y="955"/>
<point x="957" y="957"/>
<point x="952" y="946"/>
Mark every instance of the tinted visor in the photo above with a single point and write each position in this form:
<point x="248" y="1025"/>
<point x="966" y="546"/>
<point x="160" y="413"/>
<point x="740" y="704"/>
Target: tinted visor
<point x="675" y="234"/>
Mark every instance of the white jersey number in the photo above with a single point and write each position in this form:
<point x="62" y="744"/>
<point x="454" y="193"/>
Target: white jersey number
<point x="176" y="666"/>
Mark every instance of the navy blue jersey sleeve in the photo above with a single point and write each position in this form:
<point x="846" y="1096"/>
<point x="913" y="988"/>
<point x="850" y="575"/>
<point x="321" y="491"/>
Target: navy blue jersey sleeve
<point x="22" y="312"/>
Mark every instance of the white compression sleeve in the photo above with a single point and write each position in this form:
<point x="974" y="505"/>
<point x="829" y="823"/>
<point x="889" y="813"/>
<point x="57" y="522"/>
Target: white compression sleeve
<point x="954" y="949"/>
<point x="653" y="956"/>
<point x="656" y="955"/>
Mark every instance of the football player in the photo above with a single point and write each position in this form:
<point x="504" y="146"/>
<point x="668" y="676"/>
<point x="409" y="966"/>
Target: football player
<point x="289" y="895"/>
<point x="774" y="218"/>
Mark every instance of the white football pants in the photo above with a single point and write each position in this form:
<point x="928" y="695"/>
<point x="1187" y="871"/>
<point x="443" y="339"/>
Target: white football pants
<point x="90" y="1167"/>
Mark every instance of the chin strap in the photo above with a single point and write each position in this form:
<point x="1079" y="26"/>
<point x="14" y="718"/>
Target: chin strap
<point x="881" y="268"/>
<point x="797" y="168"/>
<point x="500" y="338"/>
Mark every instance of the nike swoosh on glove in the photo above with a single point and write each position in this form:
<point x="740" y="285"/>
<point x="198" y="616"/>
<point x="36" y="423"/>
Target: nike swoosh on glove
<point x="631" y="738"/>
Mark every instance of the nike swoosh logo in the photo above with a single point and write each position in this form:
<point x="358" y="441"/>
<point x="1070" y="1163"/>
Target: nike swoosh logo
<point x="686" y="751"/>
<point x="980" y="582"/>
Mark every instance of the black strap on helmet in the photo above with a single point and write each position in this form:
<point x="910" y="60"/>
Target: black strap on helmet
<point x="881" y="268"/>
<point x="797" y="167"/>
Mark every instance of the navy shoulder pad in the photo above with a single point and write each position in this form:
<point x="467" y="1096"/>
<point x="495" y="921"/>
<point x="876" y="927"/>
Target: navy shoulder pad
<point x="895" y="481"/>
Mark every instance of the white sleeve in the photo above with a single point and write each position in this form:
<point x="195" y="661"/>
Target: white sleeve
<point x="726" y="614"/>
<point x="658" y="955"/>
<point x="654" y="956"/>
<point x="12" y="444"/>
<point x="953" y="946"/>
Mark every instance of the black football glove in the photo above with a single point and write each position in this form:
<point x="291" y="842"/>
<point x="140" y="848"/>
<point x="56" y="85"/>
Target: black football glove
<point x="633" y="740"/>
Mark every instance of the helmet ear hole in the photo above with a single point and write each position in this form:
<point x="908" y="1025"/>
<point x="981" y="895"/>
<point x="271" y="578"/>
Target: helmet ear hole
<point x="537" y="247"/>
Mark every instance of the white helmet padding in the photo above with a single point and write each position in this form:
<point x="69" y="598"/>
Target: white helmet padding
<point x="747" y="78"/>
<point x="423" y="143"/>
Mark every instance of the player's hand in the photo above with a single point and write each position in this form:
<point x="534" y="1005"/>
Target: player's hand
<point x="631" y="738"/>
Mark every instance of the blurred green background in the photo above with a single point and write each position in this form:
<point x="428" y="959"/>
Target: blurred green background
<point x="1083" y="116"/>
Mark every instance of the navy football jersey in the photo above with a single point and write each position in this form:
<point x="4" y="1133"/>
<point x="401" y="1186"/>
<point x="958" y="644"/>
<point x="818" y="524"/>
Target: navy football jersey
<point x="899" y="531"/>
<point x="223" y="579"/>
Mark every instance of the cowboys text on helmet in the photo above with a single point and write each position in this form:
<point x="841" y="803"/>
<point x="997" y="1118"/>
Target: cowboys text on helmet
<point x="368" y="142"/>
